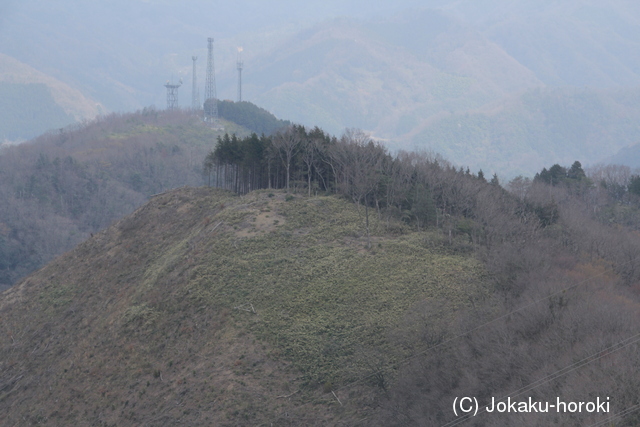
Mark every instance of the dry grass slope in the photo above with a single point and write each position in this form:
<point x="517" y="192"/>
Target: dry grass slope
<point x="206" y="308"/>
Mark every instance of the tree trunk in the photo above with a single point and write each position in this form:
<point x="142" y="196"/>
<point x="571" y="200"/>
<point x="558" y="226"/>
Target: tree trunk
<point x="288" y="167"/>
<point x="366" y="215"/>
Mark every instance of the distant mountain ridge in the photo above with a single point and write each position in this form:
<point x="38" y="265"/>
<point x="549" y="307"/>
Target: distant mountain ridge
<point x="393" y="70"/>
<point x="346" y="74"/>
<point x="520" y="134"/>
<point x="33" y="102"/>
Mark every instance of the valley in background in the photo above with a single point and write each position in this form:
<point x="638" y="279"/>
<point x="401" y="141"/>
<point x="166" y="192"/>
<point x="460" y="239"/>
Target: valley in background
<point x="507" y="88"/>
<point x="452" y="208"/>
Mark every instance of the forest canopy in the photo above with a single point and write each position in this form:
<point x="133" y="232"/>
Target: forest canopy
<point x="566" y="240"/>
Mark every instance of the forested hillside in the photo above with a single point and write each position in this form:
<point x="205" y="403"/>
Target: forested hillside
<point x="375" y="296"/>
<point x="519" y="135"/>
<point x="158" y="270"/>
<point x="560" y="253"/>
<point x="250" y="116"/>
<point x="64" y="185"/>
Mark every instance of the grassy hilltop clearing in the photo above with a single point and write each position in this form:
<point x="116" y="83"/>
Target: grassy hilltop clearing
<point x="207" y="308"/>
<point x="339" y="285"/>
<point x="152" y="321"/>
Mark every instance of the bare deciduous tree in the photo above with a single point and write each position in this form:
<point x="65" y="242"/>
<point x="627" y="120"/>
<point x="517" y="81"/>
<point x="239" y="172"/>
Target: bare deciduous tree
<point x="363" y="173"/>
<point x="286" y="144"/>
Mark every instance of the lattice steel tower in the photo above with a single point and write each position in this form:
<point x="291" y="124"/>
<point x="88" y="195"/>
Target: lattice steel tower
<point x="195" y="93"/>
<point x="172" y="95"/>
<point x="211" y="100"/>
<point x="239" y="65"/>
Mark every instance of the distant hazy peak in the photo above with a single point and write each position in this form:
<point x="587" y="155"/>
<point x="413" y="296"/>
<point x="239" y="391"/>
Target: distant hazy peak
<point x="72" y="101"/>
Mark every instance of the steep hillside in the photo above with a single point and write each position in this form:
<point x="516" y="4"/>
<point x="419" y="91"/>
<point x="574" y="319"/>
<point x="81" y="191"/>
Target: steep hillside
<point x="567" y="43"/>
<point x="64" y="185"/>
<point x="344" y="73"/>
<point x="628" y="156"/>
<point x="207" y="308"/>
<point x="32" y="102"/>
<point x="250" y="116"/>
<point x="523" y="133"/>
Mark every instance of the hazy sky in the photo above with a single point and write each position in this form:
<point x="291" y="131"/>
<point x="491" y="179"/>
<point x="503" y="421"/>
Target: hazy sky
<point x="390" y="67"/>
<point x="94" y="45"/>
<point x="228" y="17"/>
<point x="72" y="38"/>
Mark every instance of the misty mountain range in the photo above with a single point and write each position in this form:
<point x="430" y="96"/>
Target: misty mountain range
<point x="503" y="86"/>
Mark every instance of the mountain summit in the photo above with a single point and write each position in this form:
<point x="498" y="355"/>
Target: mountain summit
<point x="207" y="308"/>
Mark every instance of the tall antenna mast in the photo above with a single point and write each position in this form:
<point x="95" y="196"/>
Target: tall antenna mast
<point x="211" y="101"/>
<point x="195" y="95"/>
<point x="239" y="65"/>
<point x="172" y="95"/>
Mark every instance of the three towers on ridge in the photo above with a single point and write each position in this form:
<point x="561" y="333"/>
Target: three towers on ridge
<point x="210" y="105"/>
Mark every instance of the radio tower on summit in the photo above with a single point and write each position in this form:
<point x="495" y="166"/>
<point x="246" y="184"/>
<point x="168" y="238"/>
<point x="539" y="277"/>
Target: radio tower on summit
<point x="172" y="95"/>
<point x="211" y="101"/>
<point x="195" y="94"/>
<point x="239" y="65"/>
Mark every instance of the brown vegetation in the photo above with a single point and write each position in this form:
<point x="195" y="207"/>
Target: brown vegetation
<point x="453" y="287"/>
<point x="59" y="188"/>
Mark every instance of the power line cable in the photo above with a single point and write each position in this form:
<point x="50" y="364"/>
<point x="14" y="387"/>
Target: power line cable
<point x="452" y="339"/>
<point x="621" y="415"/>
<point x="447" y="341"/>
<point x="559" y="373"/>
